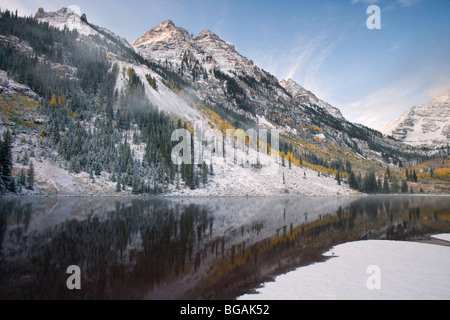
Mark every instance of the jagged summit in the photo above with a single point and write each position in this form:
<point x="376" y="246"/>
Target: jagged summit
<point x="164" y="32"/>
<point x="207" y="34"/>
<point x="168" y="43"/>
<point x="427" y="125"/>
<point x="66" y="17"/>
<point x="303" y="96"/>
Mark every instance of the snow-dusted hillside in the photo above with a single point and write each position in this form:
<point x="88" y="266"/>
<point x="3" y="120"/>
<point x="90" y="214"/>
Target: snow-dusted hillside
<point x="164" y="98"/>
<point x="204" y="79"/>
<point x="66" y="18"/>
<point x="303" y="96"/>
<point x="427" y="125"/>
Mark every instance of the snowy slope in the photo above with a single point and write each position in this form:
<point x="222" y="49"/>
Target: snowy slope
<point x="66" y="18"/>
<point x="427" y="125"/>
<point x="304" y="96"/>
<point x="164" y="98"/>
<point x="234" y="180"/>
<point x="408" y="271"/>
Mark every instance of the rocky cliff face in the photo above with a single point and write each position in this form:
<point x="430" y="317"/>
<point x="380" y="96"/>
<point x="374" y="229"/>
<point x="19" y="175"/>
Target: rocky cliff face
<point x="423" y="126"/>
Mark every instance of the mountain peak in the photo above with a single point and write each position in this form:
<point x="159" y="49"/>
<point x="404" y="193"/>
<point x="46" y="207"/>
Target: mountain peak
<point x="207" y="33"/>
<point x="425" y="125"/>
<point x="303" y="96"/>
<point x="66" y="17"/>
<point x="165" y="31"/>
<point x="167" y="24"/>
<point x="441" y="99"/>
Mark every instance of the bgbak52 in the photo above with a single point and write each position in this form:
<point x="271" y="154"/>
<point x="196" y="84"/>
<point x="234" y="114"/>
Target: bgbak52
<point x="247" y="309"/>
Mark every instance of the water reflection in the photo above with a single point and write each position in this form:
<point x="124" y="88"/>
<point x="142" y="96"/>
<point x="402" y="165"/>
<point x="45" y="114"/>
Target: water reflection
<point x="188" y="248"/>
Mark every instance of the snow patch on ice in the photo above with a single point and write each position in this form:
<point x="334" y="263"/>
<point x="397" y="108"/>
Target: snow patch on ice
<point x="408" y="271"/>
<point x="445" y="237"/>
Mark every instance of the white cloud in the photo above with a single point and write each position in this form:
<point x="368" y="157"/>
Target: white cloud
<point x="29" y="7"/>
<point x="390" y="102"/>
<point x="365" y="1"/>
<point x="304" y="62"/>
<point x="408" y="3"/>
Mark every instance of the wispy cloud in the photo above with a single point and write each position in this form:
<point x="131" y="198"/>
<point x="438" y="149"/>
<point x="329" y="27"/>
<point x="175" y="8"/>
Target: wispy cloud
<point x="390" y="102"/>
<point x="29" y="7"/>
<point x="408" y="3"/>
<point x="365" y="1"/>
<point x="303" y="62"/>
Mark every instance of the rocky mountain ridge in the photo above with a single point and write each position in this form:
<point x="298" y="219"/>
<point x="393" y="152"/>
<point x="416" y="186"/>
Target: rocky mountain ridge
<point x="425" y="125"/>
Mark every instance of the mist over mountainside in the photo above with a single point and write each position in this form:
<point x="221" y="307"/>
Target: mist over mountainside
<point x="104" y="111"/>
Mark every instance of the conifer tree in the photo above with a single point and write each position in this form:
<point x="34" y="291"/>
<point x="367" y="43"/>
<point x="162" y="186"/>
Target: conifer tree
<point x="6" y="163"/>
<point x="338" y="178"/>
<point x="386" y="184"/>
<point x="30" y="176"/>
<point x="404" y="186"/>
<point x="22" y="178"/>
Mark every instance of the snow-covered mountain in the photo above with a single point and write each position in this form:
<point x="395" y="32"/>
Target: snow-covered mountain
<point x="221" y="78"/>
<point x="204" y="78"/>
<point x="304" y="96"/>
<point x="66" y="18"/>
<point x="169" y="44"/>
<point x="423" y="126"/>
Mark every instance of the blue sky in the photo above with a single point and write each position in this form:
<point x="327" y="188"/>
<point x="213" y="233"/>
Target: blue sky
<point x="372" y="76"/>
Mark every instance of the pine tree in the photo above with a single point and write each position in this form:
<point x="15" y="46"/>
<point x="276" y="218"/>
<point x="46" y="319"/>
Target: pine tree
<point x="6" y="160"/>
<point x="2" y="184"/>
<point x="338" y="178"/>
<point x="414" y="176"/>
<point x="353" y="183"/>
<point x="404" y="188"/>
<point x="30" y="176"/>
<point x="118" y="187"/>
<point x="204" y="174"/>
<point x="22" y="178"/>
<point x="395" y="185"/>
<point x="386" y="184"/>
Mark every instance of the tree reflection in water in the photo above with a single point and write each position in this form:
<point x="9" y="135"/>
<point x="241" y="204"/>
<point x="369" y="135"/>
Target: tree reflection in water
<point x="188" y="248"/>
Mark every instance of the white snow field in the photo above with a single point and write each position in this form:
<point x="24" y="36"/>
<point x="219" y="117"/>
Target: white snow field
<point x="404" y="271"/>
<point x="444" y="236"/>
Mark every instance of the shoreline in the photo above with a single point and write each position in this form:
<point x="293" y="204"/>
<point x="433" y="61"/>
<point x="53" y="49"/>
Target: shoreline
<point x="177" y="196"/>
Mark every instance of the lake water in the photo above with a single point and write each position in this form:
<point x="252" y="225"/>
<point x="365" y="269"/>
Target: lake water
<point x="189" y="248"/>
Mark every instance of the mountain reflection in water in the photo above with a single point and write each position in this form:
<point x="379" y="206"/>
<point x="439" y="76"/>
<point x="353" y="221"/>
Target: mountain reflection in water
<point x="189" y="248"/>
